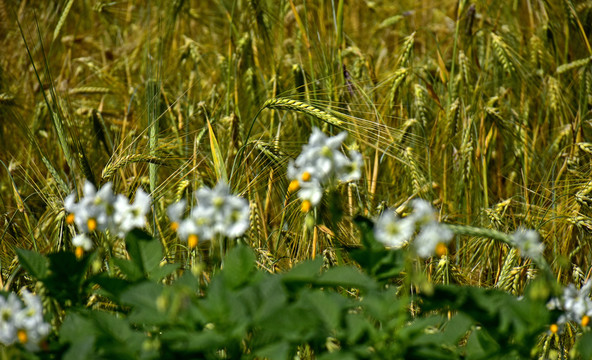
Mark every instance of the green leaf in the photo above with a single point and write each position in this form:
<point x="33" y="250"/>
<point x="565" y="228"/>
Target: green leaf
<point x="329" y="306"/>
<point x="338" y="355"/>
<point x="276" y="351"/>
<point x="346" y="276"/>
<point x="163" y="271"/>
<point x="367" y="231"/>
<point x="304" y="273"/>
<point x="144" y="298"/>
<point x="113" y="287"/>
<point x="358" y="327"/>
<point x="75" y="327"/>
<point x="65" y="278"/>
<point x="456" y="328"/>
<point x="481" y="345"/>
<point x="82" y="348"/>
<point x="584" y="345"/>
<point x="129" y="269"/>
<point x="239" y="264"/>
<point x="144" y="250"/>
<point x="206" y="341"/>
<point x="33" y="262"/>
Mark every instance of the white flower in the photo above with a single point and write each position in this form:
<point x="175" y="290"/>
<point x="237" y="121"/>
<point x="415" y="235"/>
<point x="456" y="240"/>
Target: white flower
<point x="574" y="303"/>
<point x="31" y="327"/>
<point x="311" y="191"/>
<point x="24" y="324"/>
<point x="236" y="216"/>
<point x="352" y="169"/>
<point x="528" y="242"/>
<point x="82" y="241"/>
<point x="199" y="226"/>
<point x="215" y="197"/>
<point x="423" y="212"/>
<point x="322" y="153"/>
<point x="321" y="163"/>
<point x="432" y="239"/>
<point x="217" y="212"/>
<point x="9" y="307"/>
<point x="129" y="216"/>
<point x="93" y="210"/>
<point x="206" y="218"/>
<point x="175" y="213"/>
<point x="392" y="231"/>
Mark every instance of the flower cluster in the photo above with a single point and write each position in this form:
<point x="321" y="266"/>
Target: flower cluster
<point x="527" y="241"/>
<point x="217" y="212"/>
<point x="395" y="232"/>
<point x="22" y="323"/>
<point x="575" y="304"/>
<point x="102" y="210"/>
<point x="319" y="164"/>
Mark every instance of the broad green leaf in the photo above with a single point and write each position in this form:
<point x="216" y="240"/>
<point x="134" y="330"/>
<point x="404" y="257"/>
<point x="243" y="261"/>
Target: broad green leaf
<point x="65" y="278"/>
<point x="338" y="355"/>
<point x="481" y="346"/>
<point x="82" y="348"/>
<point x="143" y="295"/>
<point x="206" y="341"/>
<point x="112" y="287"/>
<point x="305" y="272"/>
<point x="75" y="327"/>
<point x="144" y="299"/>
<point x="275" y="351"/>
<point x="33" y="262"/>
<point x="129" y="269"/>
<point x="239" y="265"/>
<point x="358" y="327"/>
<point x="161" y="272"/>
<point x="144" y="250"/>
<point x="329" y="306"/>
<point x="584" y="345"/>
<point x="346" y="276"/>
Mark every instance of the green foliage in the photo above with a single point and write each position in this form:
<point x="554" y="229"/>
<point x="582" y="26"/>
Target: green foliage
<point x="244" y="312"/>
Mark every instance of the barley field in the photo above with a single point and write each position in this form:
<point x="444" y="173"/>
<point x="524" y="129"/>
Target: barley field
<point x="346" y="137"/>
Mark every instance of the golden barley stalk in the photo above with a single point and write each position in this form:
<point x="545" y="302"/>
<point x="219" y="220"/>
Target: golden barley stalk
<point x="90" y="90"/>
<point x="284" y="103"/>
<point x="117" y="164"/>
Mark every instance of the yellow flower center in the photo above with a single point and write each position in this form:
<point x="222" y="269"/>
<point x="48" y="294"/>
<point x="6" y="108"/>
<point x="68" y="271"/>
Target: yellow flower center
<point x="306" y="206"/>
<point x="22" y="336"/>
<point x="441" y="249"/>
<point x="79" y="251"/>
<point x="70" y="219"/>
<point x="294" y="186"/>
<point x="192" y="241"/>
<point x="92" y="224"/>
<point x="306" y="176"/>
<point x="554" y="328"/>
<point x="585" y="320"/>
<point x="174" y="226"/>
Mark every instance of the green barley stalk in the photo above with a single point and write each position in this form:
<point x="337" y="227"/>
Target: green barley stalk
<point x="502" y="53"/>
<point x="407" y="50"/>
<point x="505" y="278"/>
<point x="62" y="20"/>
